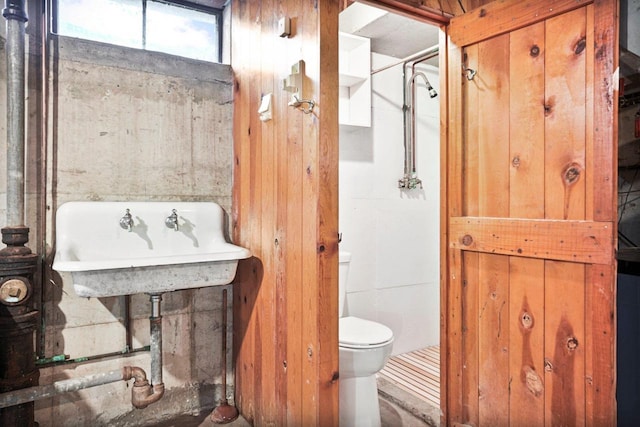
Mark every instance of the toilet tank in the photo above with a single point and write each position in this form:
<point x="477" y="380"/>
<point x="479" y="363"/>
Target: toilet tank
<point x="343" y="273"/>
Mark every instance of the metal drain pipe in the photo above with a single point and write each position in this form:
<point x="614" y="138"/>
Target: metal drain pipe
<point x="30" y="394"/>
<point x="18" y="318"/>
<point x="16" y="16"/>
<point x="155" y="338"/>
<point x="143" y="393"/>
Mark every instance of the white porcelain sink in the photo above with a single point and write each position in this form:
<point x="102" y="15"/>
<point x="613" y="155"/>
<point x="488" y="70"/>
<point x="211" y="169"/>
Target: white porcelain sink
<point x="106" y="258"/>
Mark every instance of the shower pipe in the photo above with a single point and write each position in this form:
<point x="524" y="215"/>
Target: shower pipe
<point x="143" y="393"/>
<point x="410" y="180"/>
<point x="429" y="52"/>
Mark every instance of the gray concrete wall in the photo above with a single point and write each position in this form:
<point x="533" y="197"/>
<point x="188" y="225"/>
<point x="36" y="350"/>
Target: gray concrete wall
<point x="124" y="124"/>
<point x="629" y="28"/>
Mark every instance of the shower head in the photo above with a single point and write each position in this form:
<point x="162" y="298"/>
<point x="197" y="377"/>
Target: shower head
<point x="432" y="91"/>
<point x="411" y="82"/>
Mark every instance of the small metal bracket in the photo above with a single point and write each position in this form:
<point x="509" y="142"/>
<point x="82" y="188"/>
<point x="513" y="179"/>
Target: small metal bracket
<point x="298" y="103"/>
<point x="293" y="84"/>
<point x="469" y="72"/>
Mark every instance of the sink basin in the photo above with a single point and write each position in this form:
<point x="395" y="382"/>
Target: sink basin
<point x="107" y="258"/>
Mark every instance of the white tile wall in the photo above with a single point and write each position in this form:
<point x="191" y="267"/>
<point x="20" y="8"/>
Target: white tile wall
<point x="393" y="234"/>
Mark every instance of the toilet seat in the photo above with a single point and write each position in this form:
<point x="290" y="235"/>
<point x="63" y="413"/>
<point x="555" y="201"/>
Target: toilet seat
<point x="363" y="334"/>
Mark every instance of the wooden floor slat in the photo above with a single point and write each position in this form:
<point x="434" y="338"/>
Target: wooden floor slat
<point x="416" y="372"/>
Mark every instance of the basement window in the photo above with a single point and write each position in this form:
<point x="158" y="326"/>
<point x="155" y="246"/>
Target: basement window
<point x="176" y="27"/>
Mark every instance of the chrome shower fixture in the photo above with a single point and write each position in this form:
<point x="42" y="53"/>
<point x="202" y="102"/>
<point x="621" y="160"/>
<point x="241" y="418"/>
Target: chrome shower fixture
<point x="410" y="180"/>
<point x="432" y="91"/>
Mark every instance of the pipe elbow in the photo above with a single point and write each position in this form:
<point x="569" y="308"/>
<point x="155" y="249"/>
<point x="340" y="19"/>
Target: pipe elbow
<point x="142" y="393"/>
<point x="135" y="372"/>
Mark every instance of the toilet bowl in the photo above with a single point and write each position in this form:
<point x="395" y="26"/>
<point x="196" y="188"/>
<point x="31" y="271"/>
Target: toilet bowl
<point x="364" y="348"/>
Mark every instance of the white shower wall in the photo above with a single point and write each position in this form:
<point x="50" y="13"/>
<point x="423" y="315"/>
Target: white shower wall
<point x="393" y="234"/>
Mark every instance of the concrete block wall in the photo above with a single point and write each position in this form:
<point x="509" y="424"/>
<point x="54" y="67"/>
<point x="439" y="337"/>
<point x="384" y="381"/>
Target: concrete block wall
<point x="124" y="125"/>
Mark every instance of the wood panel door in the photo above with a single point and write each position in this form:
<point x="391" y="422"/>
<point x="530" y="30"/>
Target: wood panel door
<point x="529" y="211"/>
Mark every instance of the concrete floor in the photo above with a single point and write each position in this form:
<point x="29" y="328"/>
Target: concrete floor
<point x="392" y="416"/>
<point x="397" y="409"/>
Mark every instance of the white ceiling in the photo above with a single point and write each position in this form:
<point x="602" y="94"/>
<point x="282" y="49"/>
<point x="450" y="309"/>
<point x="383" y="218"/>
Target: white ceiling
<point x="390" y="34"/>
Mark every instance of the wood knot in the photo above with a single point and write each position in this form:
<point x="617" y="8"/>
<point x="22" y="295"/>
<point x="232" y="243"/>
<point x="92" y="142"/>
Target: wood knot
<point x="571" y="173"/>
<point x="515" y="162"/>
<point x="466" y="240"/>
<point x="534" y="51"/>
<point x="548" y="366"/>
<point x="572" y="343"/>
<point x="527" y="320"/>
<point x="580" y="46"/>
<point x="533" y="381"/>
<point x="335" y="377"/>
<point x="549" y="105"/>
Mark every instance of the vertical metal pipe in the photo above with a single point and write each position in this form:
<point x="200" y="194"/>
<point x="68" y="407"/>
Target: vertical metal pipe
<point x="407" y="122"/>
<point x="18" y="321"/>
<point x="16" y="17"/>
<point x="155" y="323"/>
<point x="410" y="179"/>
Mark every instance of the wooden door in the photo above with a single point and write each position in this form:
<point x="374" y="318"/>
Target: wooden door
<point x="529" y="155"/>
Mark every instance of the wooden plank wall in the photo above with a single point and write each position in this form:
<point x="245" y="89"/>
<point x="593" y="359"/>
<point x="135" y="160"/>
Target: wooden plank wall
<point x="285" y="210"/>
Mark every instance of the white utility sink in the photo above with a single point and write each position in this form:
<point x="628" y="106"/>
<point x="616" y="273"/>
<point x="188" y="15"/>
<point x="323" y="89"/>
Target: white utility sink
<point x="107" y="255"/>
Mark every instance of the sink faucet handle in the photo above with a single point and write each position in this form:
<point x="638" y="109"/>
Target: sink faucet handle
<point x="172" y="220"/>
<point x="126" y="221"/>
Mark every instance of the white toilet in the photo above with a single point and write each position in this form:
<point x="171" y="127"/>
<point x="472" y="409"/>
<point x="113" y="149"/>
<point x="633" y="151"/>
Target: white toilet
<point x="365" y="347"/>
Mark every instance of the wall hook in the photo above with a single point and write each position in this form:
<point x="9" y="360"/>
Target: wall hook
<point x="293" y="83"/>
<point x="299" y="104"/>
<point x="470" y="73"/>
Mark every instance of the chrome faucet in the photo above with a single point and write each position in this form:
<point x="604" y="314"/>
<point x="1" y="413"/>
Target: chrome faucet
<point x="126" y="221"/>
<point x="172" y="220"/>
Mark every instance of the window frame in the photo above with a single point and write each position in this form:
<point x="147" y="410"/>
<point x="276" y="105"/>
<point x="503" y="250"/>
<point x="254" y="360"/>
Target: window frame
<point x="218" y="13"/>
